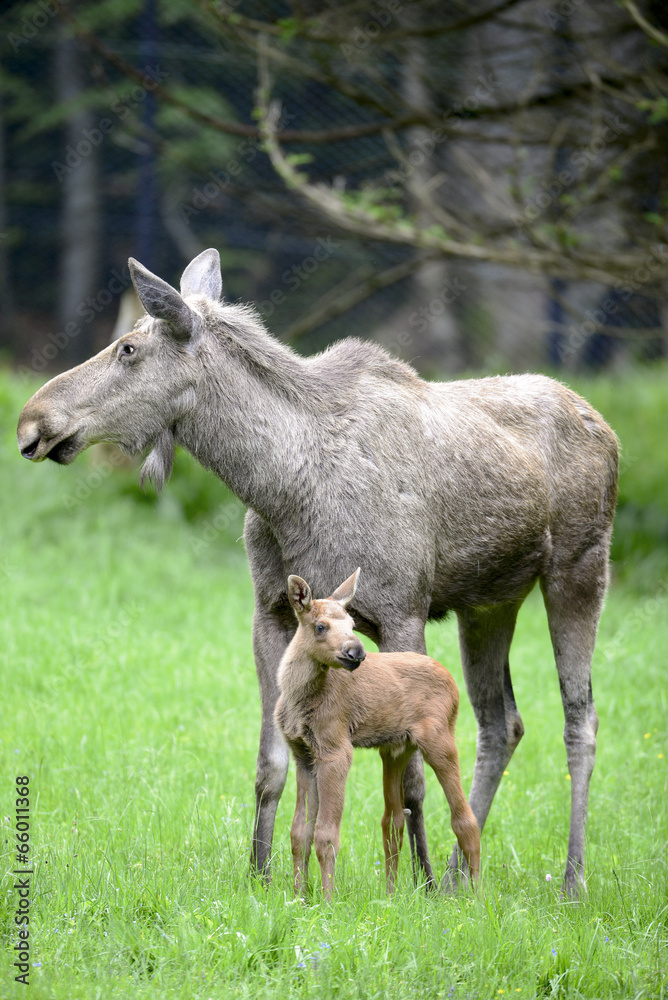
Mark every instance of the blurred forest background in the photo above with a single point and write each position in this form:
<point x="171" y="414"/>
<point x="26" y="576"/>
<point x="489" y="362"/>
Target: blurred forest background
<point x="478" y="186"/>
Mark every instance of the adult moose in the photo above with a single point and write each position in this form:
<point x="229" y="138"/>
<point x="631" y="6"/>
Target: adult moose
<point x="449" y="496"/>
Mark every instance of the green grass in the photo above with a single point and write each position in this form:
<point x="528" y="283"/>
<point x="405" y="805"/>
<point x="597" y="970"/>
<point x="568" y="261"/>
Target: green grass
<point x="636" y="405"/>
<point x="129" y="698"/>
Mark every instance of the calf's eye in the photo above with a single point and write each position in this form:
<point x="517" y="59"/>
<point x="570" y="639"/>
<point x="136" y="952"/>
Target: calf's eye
<point x="127" y="349"/>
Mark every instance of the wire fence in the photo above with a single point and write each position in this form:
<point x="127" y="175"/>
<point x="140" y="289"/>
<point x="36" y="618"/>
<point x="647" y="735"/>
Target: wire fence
<point x="154" y="185"/>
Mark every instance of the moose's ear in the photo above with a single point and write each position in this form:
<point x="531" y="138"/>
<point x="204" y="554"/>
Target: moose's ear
<point x="161" y="301"/>
<point x="202" y="276"/>
<point x="346" y="591"/>
<point x="299" y="594"/>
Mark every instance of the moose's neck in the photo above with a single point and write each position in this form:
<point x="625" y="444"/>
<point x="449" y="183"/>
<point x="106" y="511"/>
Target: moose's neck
<point x="253" y="418"/>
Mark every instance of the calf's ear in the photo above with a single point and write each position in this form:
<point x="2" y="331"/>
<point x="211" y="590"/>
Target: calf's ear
<point x="299" y="594"/>
<point x="346" y="591"/>
<point x="161" y="301"/>
<point x="202" y="276"/>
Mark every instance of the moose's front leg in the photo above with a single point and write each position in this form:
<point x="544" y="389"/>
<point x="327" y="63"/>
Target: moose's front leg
<point x="270" y="640"/>
<point x="331" y="777"/>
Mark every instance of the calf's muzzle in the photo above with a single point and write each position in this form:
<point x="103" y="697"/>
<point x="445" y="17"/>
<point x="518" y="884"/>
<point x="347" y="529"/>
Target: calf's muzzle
<point x="351" y="655"/>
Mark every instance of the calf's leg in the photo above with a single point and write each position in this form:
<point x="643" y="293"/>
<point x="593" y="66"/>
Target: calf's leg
<point x="440" y="752"/>
<point x="303" y="825"/>
<point x="392" y="823"/>
<point x="331" y="777"/>
<point x="408" y="636"/>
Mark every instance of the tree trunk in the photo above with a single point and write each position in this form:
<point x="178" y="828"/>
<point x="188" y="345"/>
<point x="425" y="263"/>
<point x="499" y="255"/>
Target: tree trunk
<point x="435" y="334"/>
<point x="6" y="297"/>
<point x="80" y="219"/>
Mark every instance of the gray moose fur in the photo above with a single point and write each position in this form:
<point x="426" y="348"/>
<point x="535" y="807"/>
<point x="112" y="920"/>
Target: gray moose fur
<point x="450" y="496"/>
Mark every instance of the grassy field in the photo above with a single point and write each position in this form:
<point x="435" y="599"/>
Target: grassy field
<point x="129" y="699"/>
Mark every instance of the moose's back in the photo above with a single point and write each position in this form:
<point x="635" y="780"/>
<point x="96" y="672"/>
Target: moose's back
<point x="468" y="486"/>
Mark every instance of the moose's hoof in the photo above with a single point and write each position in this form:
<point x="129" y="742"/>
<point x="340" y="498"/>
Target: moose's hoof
<point x="573" y="888"/>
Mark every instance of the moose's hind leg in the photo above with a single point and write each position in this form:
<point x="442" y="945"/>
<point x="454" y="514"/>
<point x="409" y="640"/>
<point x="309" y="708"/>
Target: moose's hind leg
<point x="573" y="597"/>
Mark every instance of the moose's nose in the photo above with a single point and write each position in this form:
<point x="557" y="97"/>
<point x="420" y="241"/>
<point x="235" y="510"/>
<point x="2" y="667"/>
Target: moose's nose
<point x="29" y="437"/>
<point x="352" y="654"/>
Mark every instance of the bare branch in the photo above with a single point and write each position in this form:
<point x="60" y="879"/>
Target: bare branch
<point x="421" y="193"/>
<point x="312" y="28"/>
<point x="606" y="177"/>
<point x="337" y="301"/>
<point x="220" y="124"/>
<point x="358" y="220"/>
<point x="642" y="22"/>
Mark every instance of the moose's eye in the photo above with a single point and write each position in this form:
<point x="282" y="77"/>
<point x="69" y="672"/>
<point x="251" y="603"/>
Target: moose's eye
<point x="126" y="350"/>
<point x="320" y="628"/>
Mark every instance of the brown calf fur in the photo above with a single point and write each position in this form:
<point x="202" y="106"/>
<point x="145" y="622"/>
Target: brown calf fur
<point x="396" y="702"/>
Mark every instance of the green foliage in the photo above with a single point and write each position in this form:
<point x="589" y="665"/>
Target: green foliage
<point x="654" y="218"/>
<point x="99" y="15"/>
<point x="657" y="109"/>
<point x="57" y="114"/>
<point x="290" y="26"/>
<point x="380" y="203"/>
<point x="299" y="159"/>
<point x="190" y="144"/>
<point x="437" y="231"/>
<point x="559" y="234"/>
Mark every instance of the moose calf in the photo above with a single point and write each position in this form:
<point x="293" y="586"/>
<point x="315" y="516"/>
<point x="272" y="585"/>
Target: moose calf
<point x="397" y="702"/>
